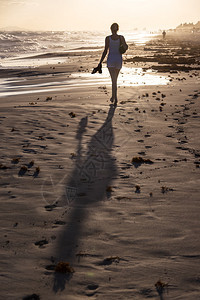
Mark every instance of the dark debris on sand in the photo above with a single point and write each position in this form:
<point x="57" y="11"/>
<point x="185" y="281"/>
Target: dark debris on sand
<point x="138" y="161"/>
<point x="41" y="243"/>
<point x="172" y="56"/>
<point x="64" y="267"/>
<point x="31" y="297"/>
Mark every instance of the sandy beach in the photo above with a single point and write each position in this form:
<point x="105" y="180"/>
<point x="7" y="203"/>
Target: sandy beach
<point x="98" y="201"/>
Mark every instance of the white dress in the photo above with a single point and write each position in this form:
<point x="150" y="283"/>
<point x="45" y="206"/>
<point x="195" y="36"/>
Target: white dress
<point x="114" y="59"/>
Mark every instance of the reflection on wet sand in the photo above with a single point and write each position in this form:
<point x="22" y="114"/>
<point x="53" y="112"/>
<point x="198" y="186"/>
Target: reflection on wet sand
<point x="127" y="77"/>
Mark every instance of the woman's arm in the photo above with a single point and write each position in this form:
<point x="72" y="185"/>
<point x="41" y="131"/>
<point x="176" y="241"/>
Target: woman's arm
<point x="105" y="50"/>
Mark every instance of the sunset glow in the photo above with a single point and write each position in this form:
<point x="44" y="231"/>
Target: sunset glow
<point x="96" y="15"/>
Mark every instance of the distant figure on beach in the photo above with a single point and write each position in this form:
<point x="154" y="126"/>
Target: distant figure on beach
<point x="116" y="45"/>
<point x="164" y="34"/>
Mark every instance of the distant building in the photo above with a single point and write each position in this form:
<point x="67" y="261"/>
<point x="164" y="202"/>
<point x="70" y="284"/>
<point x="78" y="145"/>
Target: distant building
<point x="188" y="27"/>
<point x="197" y="26"/>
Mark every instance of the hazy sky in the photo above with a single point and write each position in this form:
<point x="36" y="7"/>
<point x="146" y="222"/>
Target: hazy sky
<point x="97" y="14"/>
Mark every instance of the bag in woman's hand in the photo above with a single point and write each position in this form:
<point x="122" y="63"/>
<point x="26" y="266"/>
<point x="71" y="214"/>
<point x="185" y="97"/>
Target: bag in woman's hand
<point x="122" y="50"/>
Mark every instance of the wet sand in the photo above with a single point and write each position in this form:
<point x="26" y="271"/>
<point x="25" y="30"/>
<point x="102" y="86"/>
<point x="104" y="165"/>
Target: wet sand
<point x="112" y="191"/>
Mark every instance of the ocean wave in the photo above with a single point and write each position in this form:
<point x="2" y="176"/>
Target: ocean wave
<point x="15" y="42"/>
<point x="19" y="43"/>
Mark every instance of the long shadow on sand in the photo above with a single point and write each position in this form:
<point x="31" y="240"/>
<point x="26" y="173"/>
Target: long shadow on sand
<point x="86" y="185"/>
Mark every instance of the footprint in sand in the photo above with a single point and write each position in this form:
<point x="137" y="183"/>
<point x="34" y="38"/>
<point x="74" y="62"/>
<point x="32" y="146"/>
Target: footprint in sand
<point x="30" y="151"/>
<point x="50" y="207"/>
<point x="92" y="289"/>
<point x="183" y="142"/>
<point x="92" y="286"/>
<point x="59" y="223"/>
<point x="50" y="267"/>
<point x="142" y="153"/>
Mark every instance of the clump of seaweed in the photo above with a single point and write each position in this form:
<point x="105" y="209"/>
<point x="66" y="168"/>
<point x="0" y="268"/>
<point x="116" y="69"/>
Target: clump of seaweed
<point x="37" y="169"/>
<point x="138" y="160"/>
<point x="160" y="287"/>
<point x="31" y="163"/>
<point x="32" y="297"/>
<point x="141" y="160"/>
<point x="165" y="189"/>
<point x="41" y="138"/>
<point x="109" y="189"/>
<point x="3" y="167"/>
<point x="64" y="267"/>
<point x="137" y="189"/>
<point x="48" y="98"/>
<point x="72" y="114"/>
<point x="41" y="243"/>
<point x="22" y="170"/>
<point x="15" y="160"/>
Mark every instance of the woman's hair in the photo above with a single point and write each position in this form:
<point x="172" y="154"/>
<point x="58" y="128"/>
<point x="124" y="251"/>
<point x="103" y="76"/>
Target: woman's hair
<point x="114" y="27"/>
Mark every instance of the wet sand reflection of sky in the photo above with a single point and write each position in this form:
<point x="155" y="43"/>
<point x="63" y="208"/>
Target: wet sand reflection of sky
<point x="127" y="77"/>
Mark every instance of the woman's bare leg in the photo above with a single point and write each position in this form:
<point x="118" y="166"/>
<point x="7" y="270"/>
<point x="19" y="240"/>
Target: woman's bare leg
<point x="114" y="75"/>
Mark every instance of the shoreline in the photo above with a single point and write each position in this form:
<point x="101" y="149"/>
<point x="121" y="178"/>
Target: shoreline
<point x="61" y="81"/>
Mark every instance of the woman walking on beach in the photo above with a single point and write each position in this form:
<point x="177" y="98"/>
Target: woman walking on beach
<point x="116" y="45"/>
